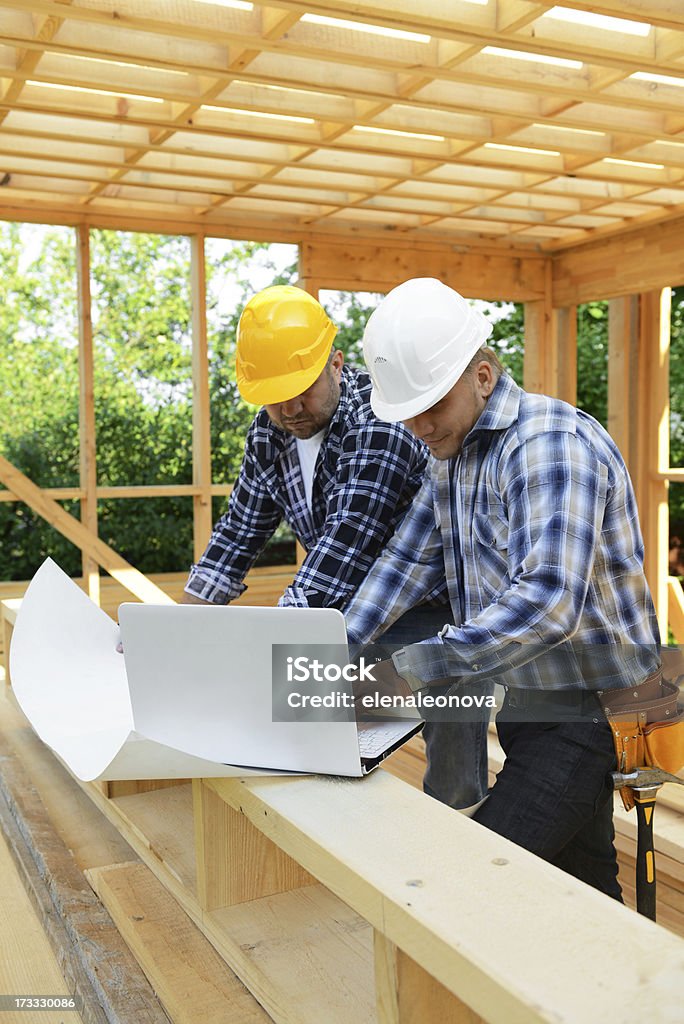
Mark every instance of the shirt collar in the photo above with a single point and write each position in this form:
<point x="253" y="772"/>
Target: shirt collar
<point x="501" y="409"/>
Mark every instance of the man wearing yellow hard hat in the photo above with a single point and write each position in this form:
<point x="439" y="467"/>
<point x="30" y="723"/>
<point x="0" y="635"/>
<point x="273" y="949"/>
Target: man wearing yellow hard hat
<point x="318" y="458"/>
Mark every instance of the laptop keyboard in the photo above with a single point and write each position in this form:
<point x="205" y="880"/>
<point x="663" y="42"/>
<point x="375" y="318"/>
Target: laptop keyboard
<point x="376" y="737"/>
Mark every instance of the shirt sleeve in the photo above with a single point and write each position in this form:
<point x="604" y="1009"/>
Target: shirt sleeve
<point x="238" y="537"/>
<point x="371" y="487"/>
<point x="554" y="489"/>
<point x="410" y="569"/>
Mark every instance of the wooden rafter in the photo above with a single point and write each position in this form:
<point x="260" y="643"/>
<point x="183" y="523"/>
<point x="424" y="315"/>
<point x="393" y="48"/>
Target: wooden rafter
<point x="262" y="115"/>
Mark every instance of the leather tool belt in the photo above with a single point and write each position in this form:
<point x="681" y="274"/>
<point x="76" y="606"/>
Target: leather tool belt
<point x="647" y="727"/>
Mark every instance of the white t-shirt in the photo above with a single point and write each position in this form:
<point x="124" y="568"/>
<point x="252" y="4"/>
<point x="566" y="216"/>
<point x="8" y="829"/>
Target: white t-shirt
<point x="307" y="451"/>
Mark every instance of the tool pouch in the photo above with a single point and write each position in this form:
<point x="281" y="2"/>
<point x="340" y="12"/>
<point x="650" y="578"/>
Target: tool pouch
<point x="647" y="727"/>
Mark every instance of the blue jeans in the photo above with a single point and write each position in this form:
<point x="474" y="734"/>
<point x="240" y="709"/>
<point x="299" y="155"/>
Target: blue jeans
<point x="456" y="750"/>
<point x="553" y="795"/>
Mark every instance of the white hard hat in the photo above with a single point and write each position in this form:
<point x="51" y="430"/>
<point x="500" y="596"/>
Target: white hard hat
<point x="416" y="345"/>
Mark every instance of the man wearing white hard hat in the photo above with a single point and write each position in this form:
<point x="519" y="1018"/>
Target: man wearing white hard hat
<point x="528" y="513"/>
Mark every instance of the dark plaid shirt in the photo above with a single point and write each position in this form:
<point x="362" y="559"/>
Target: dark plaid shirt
<point x="366" y="475"/>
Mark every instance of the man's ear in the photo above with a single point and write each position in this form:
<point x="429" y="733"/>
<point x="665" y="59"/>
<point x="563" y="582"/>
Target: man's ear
<point x="485" y="378"/>
<point x="336" y="363"/>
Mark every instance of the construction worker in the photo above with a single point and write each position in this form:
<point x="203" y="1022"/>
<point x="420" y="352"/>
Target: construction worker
<point x="317" y="457"/>
<point x="529" y="516"/>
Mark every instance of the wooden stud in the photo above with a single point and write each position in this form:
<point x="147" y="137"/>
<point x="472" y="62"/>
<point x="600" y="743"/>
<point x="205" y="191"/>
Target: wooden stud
<point x="407" y="994"/>
<point x="675" y="608"/>
<point x="536" y="346"/>
<point x="7" y="630"/>
<point x="562" y="376"/>
<point x="201" y="424"/>
<point x="236" y="863"/>
<point x="86" y="411"/>
<point x="654" y="443"/>
<point x="623" y="341"/>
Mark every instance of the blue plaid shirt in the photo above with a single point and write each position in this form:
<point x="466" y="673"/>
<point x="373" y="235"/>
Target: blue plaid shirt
<point x="534" y="527"/>
<point x="366" y="474"/>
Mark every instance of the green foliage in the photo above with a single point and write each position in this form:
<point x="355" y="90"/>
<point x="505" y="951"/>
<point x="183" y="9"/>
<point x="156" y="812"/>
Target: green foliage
<point x="592" y="359"/>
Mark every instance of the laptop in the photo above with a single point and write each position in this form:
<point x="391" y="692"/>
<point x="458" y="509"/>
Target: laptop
<point x="206" y="680"/>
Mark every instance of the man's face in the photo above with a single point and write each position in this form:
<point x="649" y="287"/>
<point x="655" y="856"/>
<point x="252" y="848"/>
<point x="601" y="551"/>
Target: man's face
<point x="310" y="412"/>
<point x="443" y="427"/>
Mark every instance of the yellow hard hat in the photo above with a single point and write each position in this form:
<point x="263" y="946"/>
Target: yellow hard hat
<point x="284" y="339"/>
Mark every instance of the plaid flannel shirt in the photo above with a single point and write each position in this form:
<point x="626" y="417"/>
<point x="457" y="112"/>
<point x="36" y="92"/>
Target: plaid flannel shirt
<point x="366" y="474"/>
<point x="534" y="527"/>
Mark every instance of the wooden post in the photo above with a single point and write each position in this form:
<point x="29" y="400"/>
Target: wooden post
<point x="235" y="861"/>
<point x="201" y="422"/>
<point x="653" y="442"/>
<point x="624" y="414"/>
<point x="562" y="368"/>
<point x="407" y="994"/>
<point x="538" y="365"/>
<point x="86" y="410"/>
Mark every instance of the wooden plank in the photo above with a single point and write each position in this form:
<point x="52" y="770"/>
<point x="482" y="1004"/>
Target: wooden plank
<point x="201" y="426"/>
<point x="8" y="618"/>
<point x="92" y="956"/>
<point x="304" y="955"/>
<point x="235" y="861"/>
<point x="624" y="413"/>
<point x="371" y="864"/>
<point x="563" y="356"/>
<point x="369" y="267"/>
<point x="655" y="330"/>
<point x="191" y="980"/>
<point x="675" y="608"/>
<point x="27" y="962"/>
<point x="406" y="994"/>
<point x="295" y="951"/>
<point x="536" y="367"/>
<point x="70" y="813"/>
<point x="641" y="260"/>
<point x="86" y="410"/>
<point x="76" y="532"/>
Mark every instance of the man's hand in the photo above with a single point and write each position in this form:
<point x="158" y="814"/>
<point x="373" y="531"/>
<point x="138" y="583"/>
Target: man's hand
<point x="386" y="683"/>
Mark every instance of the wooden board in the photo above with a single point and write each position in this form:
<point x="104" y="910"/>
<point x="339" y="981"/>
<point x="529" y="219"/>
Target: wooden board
<point x="191" y="980"/>
<point x="27" y="963"/>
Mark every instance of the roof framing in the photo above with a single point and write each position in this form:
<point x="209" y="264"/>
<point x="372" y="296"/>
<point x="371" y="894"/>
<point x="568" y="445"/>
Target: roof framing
<point x="195" y="111"/>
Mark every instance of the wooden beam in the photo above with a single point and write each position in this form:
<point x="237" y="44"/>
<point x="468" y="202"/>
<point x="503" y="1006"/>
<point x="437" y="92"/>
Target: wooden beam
<point x="640" y="260"/>
<point x="653" y="443"/>
<point x="79" y="535"/>
<point x="188" y="976"/>
<point x="201" y="423"/>
<point x="539" y="366"/>
<point x="407" y="994"/>
<point x="625" y="417"/>
<point x="236" y="862"/>
<point x="676" y="608"/>
<point x="372" y="267"/>
<point x="563" y="356"/>
<point x="86" y="410"/>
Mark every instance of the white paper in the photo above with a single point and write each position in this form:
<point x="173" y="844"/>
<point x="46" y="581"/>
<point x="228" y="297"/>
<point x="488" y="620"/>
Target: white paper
<point x="71" y="684"/>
